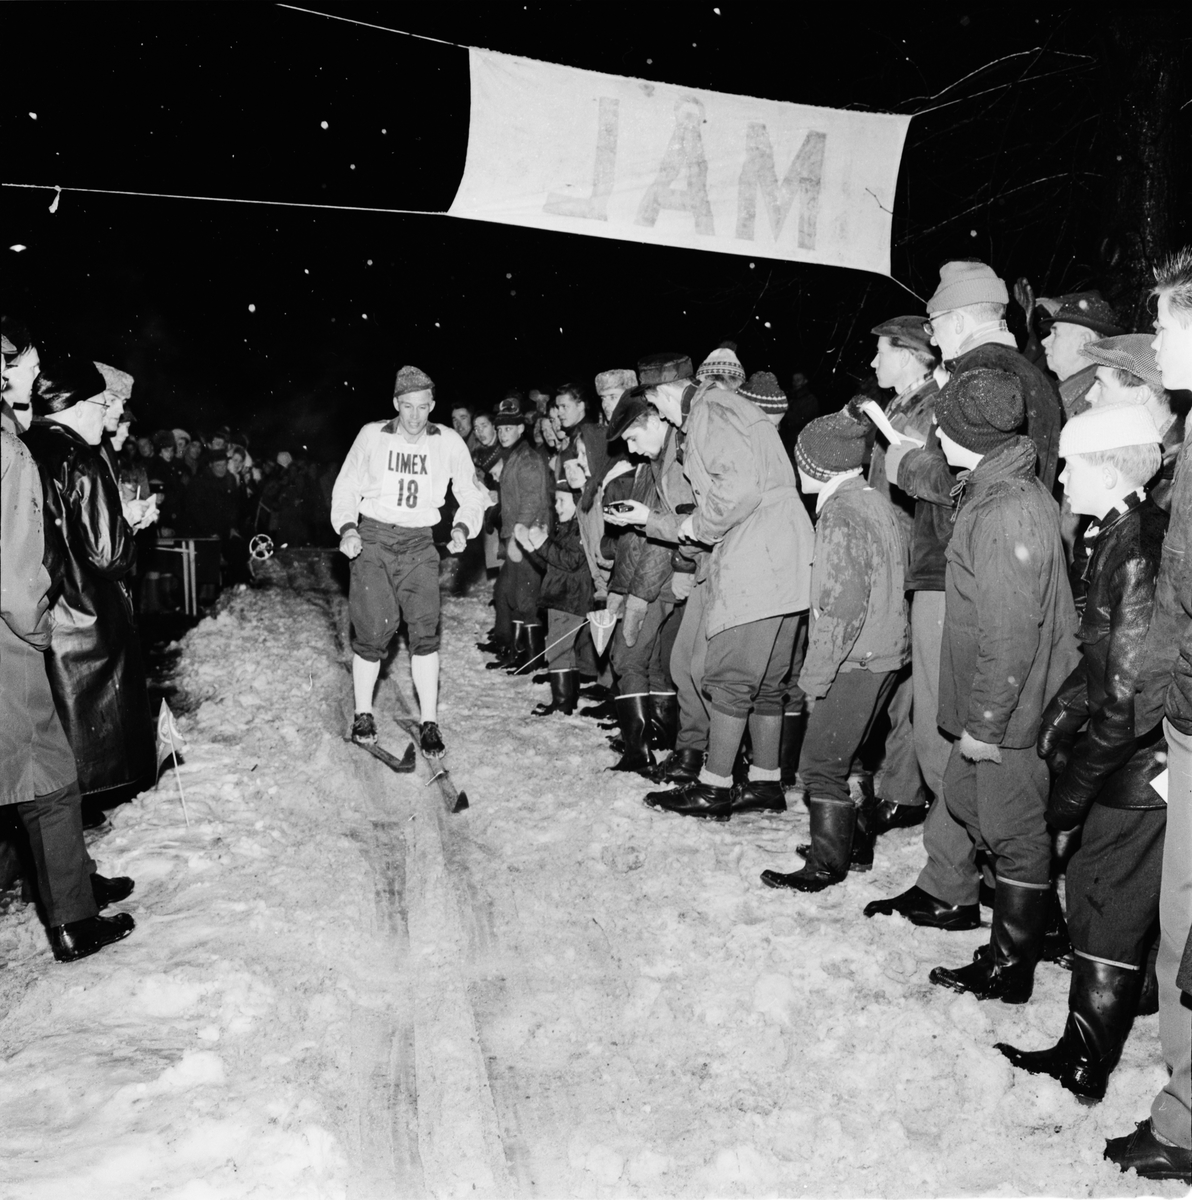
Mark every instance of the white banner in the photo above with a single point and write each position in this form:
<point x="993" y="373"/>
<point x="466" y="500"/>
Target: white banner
<point x="579" y="152"/>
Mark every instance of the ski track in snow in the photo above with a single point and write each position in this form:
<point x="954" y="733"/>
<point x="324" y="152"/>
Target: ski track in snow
<point x="336" y="989"/>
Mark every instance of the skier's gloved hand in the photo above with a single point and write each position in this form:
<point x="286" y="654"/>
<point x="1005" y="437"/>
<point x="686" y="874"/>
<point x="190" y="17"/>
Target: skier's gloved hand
<point x="459" y="540"/>
<point x="635" y="618"/>
<point x="351" y="544"/>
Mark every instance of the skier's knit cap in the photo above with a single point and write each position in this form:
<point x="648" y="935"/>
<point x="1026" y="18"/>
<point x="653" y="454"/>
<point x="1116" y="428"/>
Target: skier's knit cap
<point x="632" y="405"/>
<point x="1109" y="427"/>
<point x="1089" y="309"/>
<point x="1130" y="352"/>
<point x="410" y="379"/>
<point x="982" y="409"/>
<point x="663" y="368"/>
<point x="508" y="412"/>
<point x="762" y="388"/>
<point x="722" y="361"/>
<point x="965" y="281"/>
<point x="619" y="377"/>
<point x="905" y="331"/>
<point x="831" y="445"/>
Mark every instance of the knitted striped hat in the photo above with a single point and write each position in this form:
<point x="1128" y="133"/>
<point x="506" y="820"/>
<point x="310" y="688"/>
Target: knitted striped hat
<point x="722" y="361"/>
<point x="762" y="388"/>
<point x="831" y="445"/>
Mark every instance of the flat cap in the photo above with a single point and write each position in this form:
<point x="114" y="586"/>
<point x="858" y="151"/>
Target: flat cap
<point x="1130" y="351"/>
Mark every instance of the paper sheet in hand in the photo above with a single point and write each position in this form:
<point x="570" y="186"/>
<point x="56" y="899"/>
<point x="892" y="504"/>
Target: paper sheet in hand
<point x="875" y="414"/>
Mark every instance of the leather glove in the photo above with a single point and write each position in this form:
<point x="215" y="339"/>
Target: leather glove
<point x="635" y="618"/>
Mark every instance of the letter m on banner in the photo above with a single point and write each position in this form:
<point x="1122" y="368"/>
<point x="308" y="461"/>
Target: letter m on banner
<point x="556" y="148"/>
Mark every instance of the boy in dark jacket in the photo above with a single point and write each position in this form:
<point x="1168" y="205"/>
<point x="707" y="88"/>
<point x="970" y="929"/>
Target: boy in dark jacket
<point x="566" y="594"/>
<point x="858" y="639"/>
<point x="1009" y="642"/>
<point x="1103" y="774"/>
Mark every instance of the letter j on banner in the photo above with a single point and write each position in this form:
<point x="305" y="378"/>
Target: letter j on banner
<point x="575" y="151"/>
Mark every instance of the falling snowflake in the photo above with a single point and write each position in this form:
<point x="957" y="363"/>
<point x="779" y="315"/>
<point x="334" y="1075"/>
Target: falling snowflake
<point x="17" y="248"/>
<point x="252" y="308"/>
<point x="322" y="124"/>
<point x="33" y="116"/>
<point x="368" y="262"/>
<point x="767" y="324"/>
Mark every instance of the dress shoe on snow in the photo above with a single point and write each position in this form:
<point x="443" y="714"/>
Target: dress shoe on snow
<point x="922" y="908"/>
<point x="1101" y="1001"/>
<point x="680" y="766"/>
<point x="832" y="826"/>
<point x="1004" y="969"/>
<point x="759" y="795"/>
<point x="111" y="891"/>
<point x="78" y="939"/>
<point x="694" y="799"/>
<point x="1144" y="1152"/>
<point x="889" y="815"/>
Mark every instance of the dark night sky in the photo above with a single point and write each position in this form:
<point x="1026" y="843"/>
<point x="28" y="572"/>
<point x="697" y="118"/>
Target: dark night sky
<point x="229" y="100"/>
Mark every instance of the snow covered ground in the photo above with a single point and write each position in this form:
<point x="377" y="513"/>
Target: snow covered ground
<point x="337" y="989"/>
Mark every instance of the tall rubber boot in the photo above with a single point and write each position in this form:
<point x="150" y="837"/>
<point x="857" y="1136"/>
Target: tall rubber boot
<point x="1056" y="946"/>
<point x="832" y="825"/>
<point x="664" y="720"/>
<point x="529" y="653"/>
<point x="634" y="717"/>
<point x="564" y="689"/>
<point x="1005" y="968"/>
<point x="793" y="727"/>
<point x="508" y="652"/>
<point x="1101" y="1003"/>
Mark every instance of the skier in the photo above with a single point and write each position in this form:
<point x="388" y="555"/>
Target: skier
<point x="384" y="505"/>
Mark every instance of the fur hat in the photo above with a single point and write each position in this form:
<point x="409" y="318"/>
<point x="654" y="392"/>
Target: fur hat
<point x="1131" y="352"/>
<point x="762" y="388"/>
<point x="664" y="368"/>
<point x="1089" y="309"/>
<point x="907" y="332"/>
<point x="965" y="281"/>
<point x="981" y="410"/>
<point x="117" y="383"/>
<point x="163" y="439"/>
<point x="1108" y="427"/>
<point x="722" y="361"/>
<point x="410" y="379"/>
<point x="620" y="377"/>
<point x="831" y="445"/>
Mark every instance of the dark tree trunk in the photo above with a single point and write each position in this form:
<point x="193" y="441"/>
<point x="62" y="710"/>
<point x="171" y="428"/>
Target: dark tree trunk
<point x="1146" y="148"/>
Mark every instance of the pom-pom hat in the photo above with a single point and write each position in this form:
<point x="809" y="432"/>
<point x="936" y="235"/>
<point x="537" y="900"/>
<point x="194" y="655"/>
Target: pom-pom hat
<point x="762" y="388"/>
<point x="832" y="445"/>
<point x="722" y="361"/>
<point x="410" y="379"/>
<point x="1108" y="427"/>
<point x="981" y="410"/>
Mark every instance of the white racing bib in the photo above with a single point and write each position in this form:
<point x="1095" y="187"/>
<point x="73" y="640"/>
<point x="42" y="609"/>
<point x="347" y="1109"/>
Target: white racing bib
<point x="405" y="477"/>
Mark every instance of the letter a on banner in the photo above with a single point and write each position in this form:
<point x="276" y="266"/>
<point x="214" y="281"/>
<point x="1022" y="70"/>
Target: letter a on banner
<point x="573" y="151"/>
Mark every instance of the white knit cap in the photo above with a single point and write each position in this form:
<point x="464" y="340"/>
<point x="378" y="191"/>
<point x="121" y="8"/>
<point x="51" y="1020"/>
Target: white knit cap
<point x="722" y="361"/>
<point x="1108" y="427"/>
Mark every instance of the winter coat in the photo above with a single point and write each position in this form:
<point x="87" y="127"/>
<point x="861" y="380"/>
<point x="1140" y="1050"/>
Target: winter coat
<point x="748" y="510"/>
<point x="94" y="661"/>
<point x="1166" y="677"/>
<point x="858" y="601"/>
<point x="212" y="507"/>
<point x="599" y="538"/>
<point x="596" y="450"/>
<point x="526" y="489"/>
<point x="1009" y="622"/>
<point x="925" y="474"/>
<point x="1075" y="389"/>
<point x="35" y="757"/>
<point x="642" y="566"/>
<point x="1173" y="441"/>
<point x="909" y="413"/>
<point x="1044" y="414"/>
<point x="566" y="580"/>
<point x="1109" y="764"/>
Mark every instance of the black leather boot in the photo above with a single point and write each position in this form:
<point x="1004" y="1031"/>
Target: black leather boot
<point x="922" y="908"/>
<point x="793" y="727"/>
<point x="680" y="766"/>
<point x="664" y="720"/>
<point x="832" y="825"/>
<point x="694" y="799"/>
<point x="1142" y="1151"/>
<point x="889" y="815"/>
<point x="633" y="715"/>
<point x="564" y="688"/>
<point x="1101" y="1003"/>
<point x="507" y="651"/>
<point x="759" y="795"/>
<point x="1005" y="968"/>
<point x="78" y="939"/>
<point x="110" y="891"/>
<point x="1056" y="946"/>
<point x="864" y="835"/>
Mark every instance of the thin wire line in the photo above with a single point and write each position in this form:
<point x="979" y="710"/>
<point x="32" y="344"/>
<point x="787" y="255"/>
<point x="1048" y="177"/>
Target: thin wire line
<point x="314" y="12"/>
<point x="52" y="187"/>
